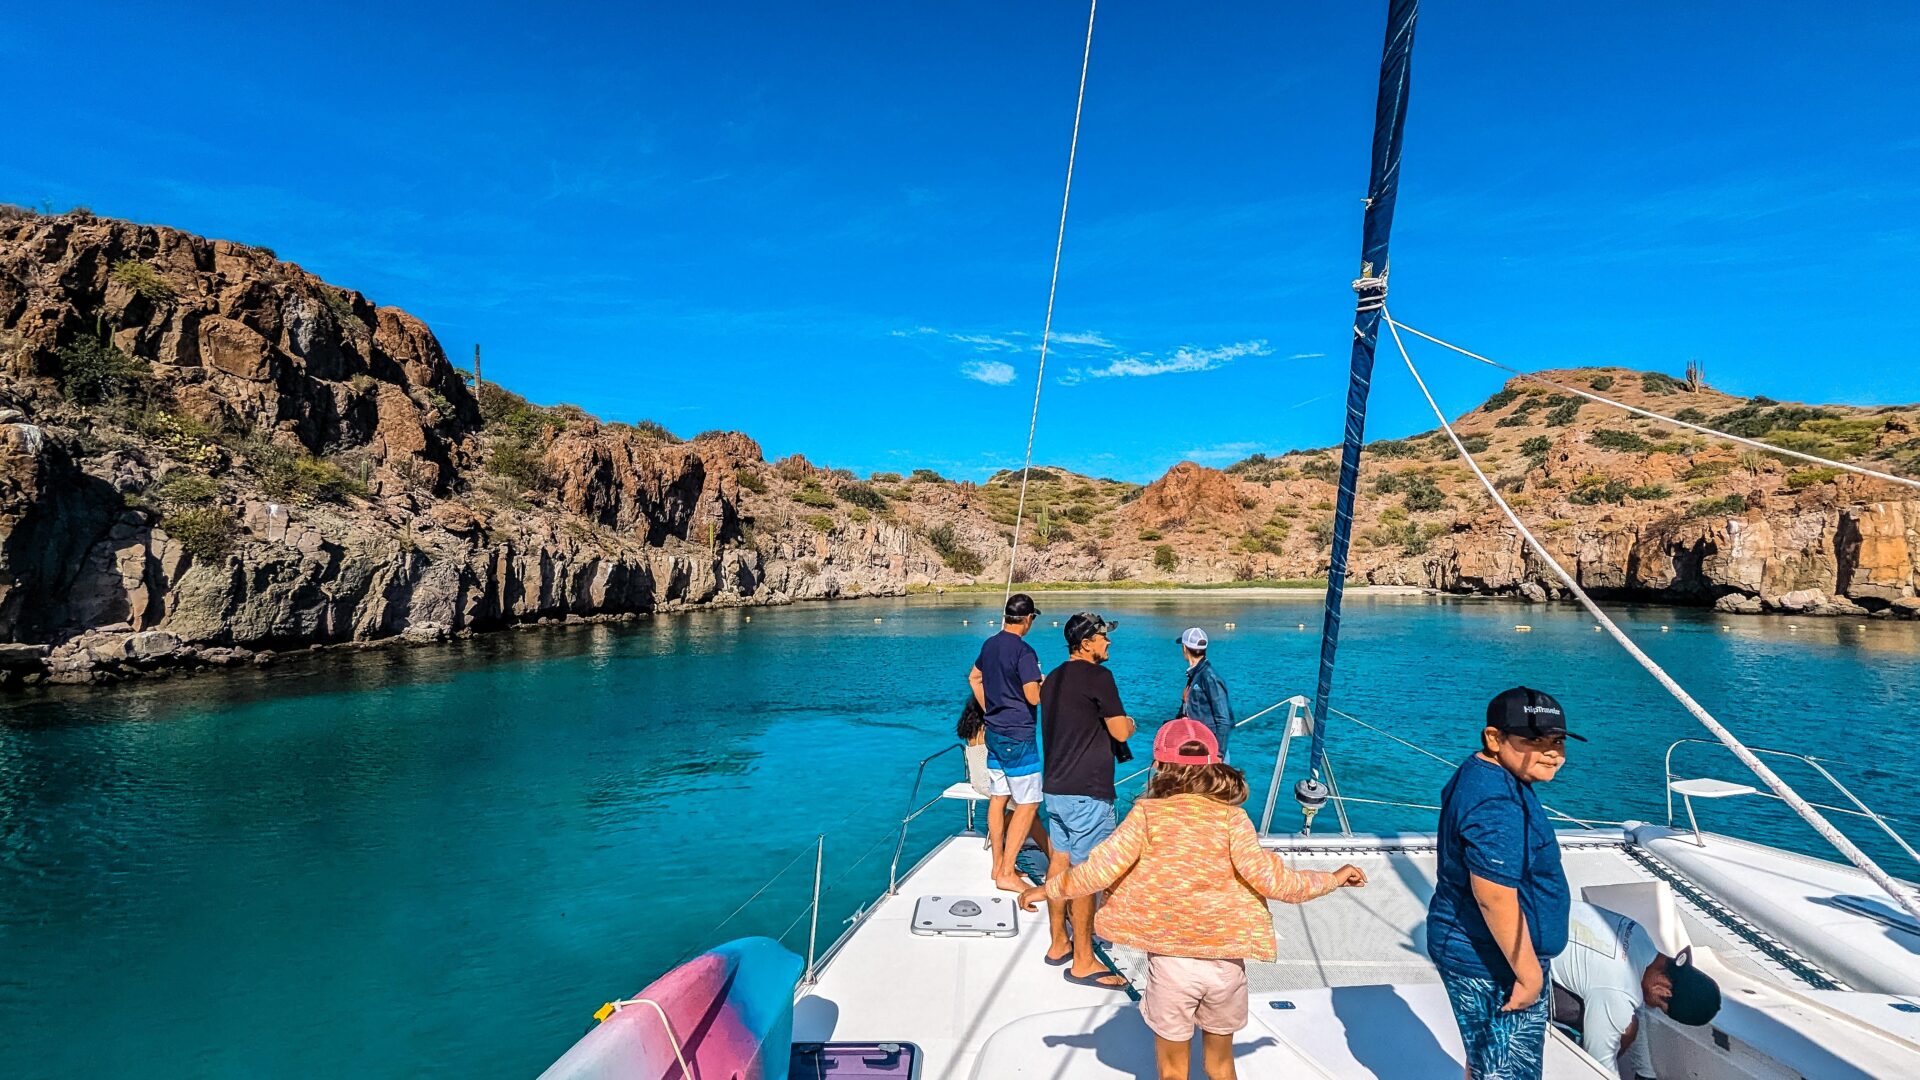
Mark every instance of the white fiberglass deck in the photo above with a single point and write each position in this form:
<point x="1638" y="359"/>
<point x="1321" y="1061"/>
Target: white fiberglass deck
<point x="955" y="997"/>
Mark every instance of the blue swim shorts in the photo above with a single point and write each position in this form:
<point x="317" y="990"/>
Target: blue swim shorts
<point x="1076" y="823"/>
<point x="1500" y="1045"/>
<point x="1013" y="768"/>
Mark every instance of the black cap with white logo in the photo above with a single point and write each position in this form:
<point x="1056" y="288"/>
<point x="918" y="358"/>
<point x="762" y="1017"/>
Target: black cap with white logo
<point x="1521" y="711"/>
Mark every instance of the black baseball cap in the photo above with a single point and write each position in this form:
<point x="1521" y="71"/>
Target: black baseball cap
<point x="1696" y="997"/>
<point x="1085" y="625"/>
<point x="1020" y="606"/>
<point x="1532" y="713"/>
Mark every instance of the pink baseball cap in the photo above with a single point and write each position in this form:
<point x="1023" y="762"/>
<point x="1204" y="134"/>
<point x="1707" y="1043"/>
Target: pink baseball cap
<point x="1175" y="733"/>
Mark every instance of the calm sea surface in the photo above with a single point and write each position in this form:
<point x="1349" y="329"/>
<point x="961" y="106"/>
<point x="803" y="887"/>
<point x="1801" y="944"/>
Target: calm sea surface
<point x="440" y="861"/>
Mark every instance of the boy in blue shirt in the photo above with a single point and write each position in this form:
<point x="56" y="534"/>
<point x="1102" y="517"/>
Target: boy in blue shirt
<point x="1500" y="903"/>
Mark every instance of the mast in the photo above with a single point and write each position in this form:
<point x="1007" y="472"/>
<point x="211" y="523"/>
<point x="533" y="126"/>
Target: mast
<point x="1389" y="121"/>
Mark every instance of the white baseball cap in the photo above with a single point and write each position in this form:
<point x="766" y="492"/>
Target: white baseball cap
<point x="1193" y="638"/>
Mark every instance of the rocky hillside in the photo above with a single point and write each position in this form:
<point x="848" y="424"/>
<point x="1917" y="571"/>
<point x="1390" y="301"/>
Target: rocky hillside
<point x="208" y="455"/>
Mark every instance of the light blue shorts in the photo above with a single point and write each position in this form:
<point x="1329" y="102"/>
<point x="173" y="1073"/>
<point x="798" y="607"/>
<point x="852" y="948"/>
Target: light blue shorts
<point x="1076" y="823"/>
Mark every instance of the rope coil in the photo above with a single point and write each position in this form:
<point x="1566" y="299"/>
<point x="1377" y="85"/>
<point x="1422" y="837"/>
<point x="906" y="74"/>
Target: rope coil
<point x="1372" y="292"/>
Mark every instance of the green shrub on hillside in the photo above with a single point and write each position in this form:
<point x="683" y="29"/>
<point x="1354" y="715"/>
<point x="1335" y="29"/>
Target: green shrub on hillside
<point x="1691" y="415"/>
<point x="1806" y="478"/>
<point x="93" y="371"/>
<point x="1648" y="492"/>
<point x="819" y="523"/>
<point x="750" y="480"/>
<point x="1476" y="444"/>
<point x="1165" y="560"/>
<point x="1393" y="448"/>
<point x="1539" y="446"/>
<point x="183" y="488"/>
<point x="1725" y="506"/>
<point x="812" y="494"/>
<point x="1423" y="495"/>
<point x="296" y="476"/>
<point x="959" y="557"/>
<point x="1653" y="382"/>
<point x="1321" y="468"/>
<point x="863" y="495"/>
<point x="142" y="278"/>
<point x="520" y="465"/>
<point x="654" y="429"/>
<point x="927" y="476"/>
<point x="1626" y="442"/>
<point x="207" y="532"/>
<point x="1601" y="382"/>
<point x="1563" y="414"/>
<point x="1599" y="489"/>
<point x="1500" y="400"/>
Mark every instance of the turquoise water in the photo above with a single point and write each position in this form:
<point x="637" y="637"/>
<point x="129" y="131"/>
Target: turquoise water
<point x="440" y="861"/>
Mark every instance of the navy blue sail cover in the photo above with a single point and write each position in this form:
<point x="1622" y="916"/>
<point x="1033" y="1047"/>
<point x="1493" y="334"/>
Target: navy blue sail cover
<point x="1389" y="121"/>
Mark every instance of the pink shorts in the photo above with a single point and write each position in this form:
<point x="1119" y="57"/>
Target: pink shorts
<point x="1183" y="993"/>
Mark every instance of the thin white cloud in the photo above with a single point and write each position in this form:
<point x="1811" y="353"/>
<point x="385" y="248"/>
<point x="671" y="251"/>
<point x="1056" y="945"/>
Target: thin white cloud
<point x="1306" y="356"/>
<point x="1227" y="451"/>
<point x="1184" y="360"/>
<point x="991" y="372"/>
<point x="1088" y="338"/>
<point x="984" y="341"/>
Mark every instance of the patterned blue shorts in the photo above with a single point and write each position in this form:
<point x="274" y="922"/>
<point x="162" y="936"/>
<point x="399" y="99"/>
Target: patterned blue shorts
<point x="1500" y="1045"/>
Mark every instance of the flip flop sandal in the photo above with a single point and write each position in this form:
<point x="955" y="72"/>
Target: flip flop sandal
<point x="1061" y="962"/>
<point x="1093" y="980"/>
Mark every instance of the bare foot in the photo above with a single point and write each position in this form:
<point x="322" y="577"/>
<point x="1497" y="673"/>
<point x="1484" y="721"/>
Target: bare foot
<point x="1057" y="953"/>
<point x="1010" y="883"/>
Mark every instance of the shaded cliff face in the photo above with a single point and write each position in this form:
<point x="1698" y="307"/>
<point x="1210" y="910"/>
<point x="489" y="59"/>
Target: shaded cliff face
<point x="207" y="453"/>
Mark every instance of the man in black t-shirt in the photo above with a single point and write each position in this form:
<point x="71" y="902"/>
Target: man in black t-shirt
<point x="1081" y="721"/>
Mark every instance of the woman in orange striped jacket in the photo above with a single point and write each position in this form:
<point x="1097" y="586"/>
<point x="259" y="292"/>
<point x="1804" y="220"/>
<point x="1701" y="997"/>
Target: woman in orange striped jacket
<point x="1189" y="883"/>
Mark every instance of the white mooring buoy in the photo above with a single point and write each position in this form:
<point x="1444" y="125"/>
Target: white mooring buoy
<point x="1523" y="628"/>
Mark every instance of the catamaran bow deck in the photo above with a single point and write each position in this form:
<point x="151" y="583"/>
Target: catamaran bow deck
<point x="1351" y="993"/>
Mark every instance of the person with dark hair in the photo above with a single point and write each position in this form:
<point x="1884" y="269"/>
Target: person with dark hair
<point x="1006" y="685"/>
<point x="1085" y="729"/>
<point x="1610" y="972"/>
<point x="1190" y="886"/>
<point x="1500" y="904"/>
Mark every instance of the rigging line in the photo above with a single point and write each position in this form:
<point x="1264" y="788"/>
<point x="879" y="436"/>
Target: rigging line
<point x="1651" y="415"/>
<point x="1053" y="286"/>
<point x="1904" y="897"/>
<point x="1551" y="812"/>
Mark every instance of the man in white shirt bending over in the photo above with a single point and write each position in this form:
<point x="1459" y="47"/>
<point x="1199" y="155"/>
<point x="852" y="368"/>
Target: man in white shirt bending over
<point x="1610" y="970"/>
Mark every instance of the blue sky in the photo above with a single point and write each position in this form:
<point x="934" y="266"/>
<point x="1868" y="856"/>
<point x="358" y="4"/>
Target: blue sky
<point x="830" y="226"/>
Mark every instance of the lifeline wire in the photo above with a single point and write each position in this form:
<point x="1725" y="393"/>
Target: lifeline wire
<point x="1046" y="329"/>
<point x="1747" y="757"/>
<point x="1651" y="415"/>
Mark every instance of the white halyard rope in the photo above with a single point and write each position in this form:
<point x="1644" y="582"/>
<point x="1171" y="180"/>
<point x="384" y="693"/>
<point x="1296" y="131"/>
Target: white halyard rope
<point x="1053" y="285"/>
<point x="1902" y="896"/>
<point x="1651" y="415"/>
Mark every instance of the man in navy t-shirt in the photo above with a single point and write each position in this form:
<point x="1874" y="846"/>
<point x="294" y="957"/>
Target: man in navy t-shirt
<point x="1006" y="683"/>
<point x="1500" y="903"/>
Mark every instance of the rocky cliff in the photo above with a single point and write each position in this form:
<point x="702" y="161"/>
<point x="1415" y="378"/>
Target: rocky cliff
<point x="209" y="455"/>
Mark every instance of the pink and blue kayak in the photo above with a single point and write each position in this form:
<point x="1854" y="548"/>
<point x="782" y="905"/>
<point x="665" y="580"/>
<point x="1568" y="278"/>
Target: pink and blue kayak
<point x="723" y="1015"/>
